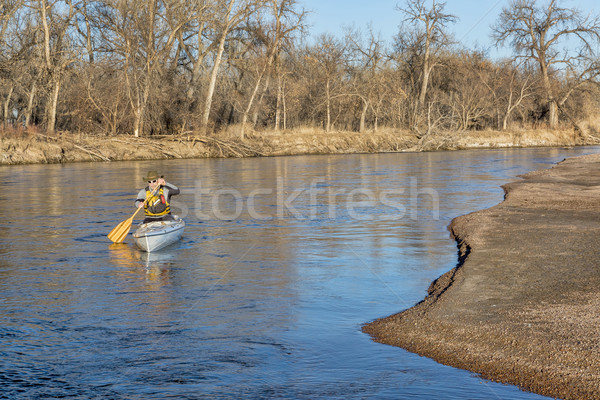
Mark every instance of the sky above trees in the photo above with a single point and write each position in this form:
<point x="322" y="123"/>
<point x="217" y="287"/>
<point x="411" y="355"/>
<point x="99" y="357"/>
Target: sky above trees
<point x="472" y="30"/>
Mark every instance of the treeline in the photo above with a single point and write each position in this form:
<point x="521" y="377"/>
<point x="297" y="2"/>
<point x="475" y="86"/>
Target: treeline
<point x="167" y="67"/>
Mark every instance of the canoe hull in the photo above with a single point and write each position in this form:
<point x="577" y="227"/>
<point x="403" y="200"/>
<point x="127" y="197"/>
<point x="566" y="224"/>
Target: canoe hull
<point x="154" y="236"/>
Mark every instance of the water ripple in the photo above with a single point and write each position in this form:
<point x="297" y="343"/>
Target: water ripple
<point x="240" y="307"/>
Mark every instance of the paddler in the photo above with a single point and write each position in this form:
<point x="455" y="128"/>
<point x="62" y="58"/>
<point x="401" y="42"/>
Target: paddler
<point x="158" y="204"/>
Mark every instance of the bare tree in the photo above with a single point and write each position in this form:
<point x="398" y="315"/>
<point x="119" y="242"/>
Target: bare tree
<point x="280" y="102"/>
<point x="56" y="19"/>
<point x="285" y="20"/>
<point x="367" y="60"/>
<point x="166" y="66"/>
<point x="327" y="59"/>
<point x="9" y="53"/>
<point x="228" y="14"/>
<point x="537" y="32"/>
<point x="515" y="88"/>
<point x="31" y="68"/>
<point x="8" y="9"/>
<point x="195" y="47"/>
<point x="141" y="37"/>
<point x="430" y="38"/>
<point x="85" y="29"/>
<point x="284" y="72"/>
<point x="470" y="102"/>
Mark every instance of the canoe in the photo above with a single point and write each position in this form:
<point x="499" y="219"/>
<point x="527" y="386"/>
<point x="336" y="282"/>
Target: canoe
<point x="156" y="235"/>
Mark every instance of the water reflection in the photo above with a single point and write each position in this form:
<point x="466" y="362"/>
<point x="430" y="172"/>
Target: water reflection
<point x="242" y="306"/>
<point x="154" y="267"/>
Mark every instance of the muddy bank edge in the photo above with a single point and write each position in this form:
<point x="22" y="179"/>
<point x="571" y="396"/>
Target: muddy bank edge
<point x="35" y="148"/>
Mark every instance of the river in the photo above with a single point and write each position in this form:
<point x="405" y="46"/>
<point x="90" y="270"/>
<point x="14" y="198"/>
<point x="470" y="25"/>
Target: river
<point x="283" y="259"/>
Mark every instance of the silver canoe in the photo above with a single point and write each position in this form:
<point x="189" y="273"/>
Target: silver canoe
<point x="156" y="235"/>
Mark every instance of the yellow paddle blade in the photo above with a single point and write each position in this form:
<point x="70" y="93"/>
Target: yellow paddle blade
<point x="118" y="234"/>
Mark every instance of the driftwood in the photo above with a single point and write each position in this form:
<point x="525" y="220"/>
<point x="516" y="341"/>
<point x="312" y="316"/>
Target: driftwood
<point x="90" y="152"/>
<point x="156" y="145"/>
<point x="223" y="147"/>
<point x="236" y="148"/>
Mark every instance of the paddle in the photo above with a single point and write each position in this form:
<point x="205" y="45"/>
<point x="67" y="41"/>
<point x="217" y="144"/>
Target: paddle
<point x="118" y="234"/>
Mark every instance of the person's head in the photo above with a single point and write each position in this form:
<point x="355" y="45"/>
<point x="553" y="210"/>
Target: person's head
<point x="152" y="178"/>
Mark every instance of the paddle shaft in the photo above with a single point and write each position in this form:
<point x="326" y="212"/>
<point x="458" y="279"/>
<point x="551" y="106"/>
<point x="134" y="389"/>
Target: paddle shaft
<point x="118" y="234"/>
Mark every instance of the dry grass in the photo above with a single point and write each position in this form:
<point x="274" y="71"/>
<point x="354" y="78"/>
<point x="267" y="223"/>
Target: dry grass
<point x="23" y="147"/>
<point x="592" y="126"/>
<point x="516" y="138"/>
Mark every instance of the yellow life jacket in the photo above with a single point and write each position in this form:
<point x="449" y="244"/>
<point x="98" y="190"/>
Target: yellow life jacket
<point x="156" y="204"/>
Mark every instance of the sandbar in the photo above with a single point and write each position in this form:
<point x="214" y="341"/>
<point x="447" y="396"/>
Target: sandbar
<point x="523" y="304"/>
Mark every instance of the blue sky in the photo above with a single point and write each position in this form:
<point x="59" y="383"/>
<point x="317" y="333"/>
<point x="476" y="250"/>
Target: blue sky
<point x="473" y="28"/>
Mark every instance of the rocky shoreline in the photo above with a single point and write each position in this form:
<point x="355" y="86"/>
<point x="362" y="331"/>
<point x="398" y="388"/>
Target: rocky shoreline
<point x="37" y="148"/>
<point x="523" y="304"/>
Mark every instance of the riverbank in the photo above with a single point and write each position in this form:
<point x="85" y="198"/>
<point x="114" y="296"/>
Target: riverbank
<point x="522" y="305"/>
<point x="35" y="148"/>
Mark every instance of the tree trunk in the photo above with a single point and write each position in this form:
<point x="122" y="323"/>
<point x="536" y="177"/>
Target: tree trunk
<point x="46" y="29"/>
<point x="553" y="116"/>
<point x="426" y="72"/>
<point x="552" y="107"/>
<point x="140" y="112"/>
<point x="363" y="116"/>
<point x="249" y="106"/>
<point x="213" y="80"/>
<point x="424" y="84"/>
<point x="137" y="123"/>
<point x="254" y="92"/>
<point x="29" y="110"/>
<point x="509" y="109"/>
<point x="53" y="105"/>
<point x="260" y="101"/>
<point x="278" y="105"/>
<point x="192" y="104"/>
<point x="284" y="108"/>
<point x="328" y="123"/>
<point x="88" y="37"/>
<point x="7" y="103"/>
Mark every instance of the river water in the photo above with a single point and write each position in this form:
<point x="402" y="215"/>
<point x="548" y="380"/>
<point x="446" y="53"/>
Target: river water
<point x="282" y="261"/>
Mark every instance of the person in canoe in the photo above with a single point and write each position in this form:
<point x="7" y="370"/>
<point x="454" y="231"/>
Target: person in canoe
<point x="158" y="204"/>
